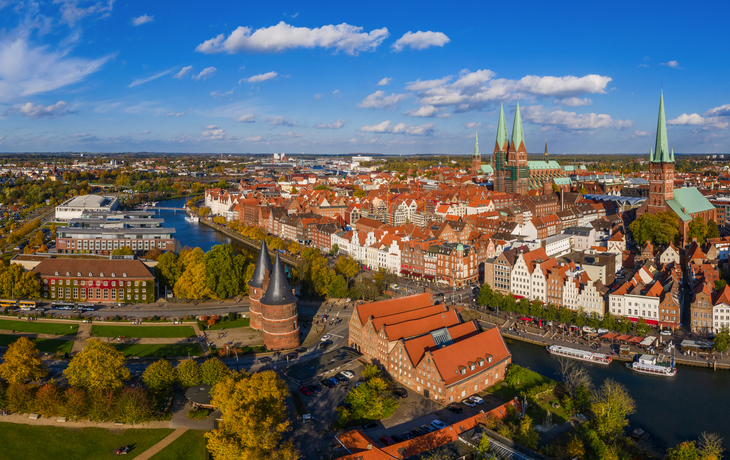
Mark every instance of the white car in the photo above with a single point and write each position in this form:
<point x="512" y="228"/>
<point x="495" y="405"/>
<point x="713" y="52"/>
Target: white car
<point x="476" y="399"/>
<point x="602" y="331"/>
<point x="438" y="424"/>
<point x="348" y="374"/>
<point x="588" y="329"/>
<point x="468" y="402"/>
<point x="326" y="337"/>
<point x="666" y="332"/>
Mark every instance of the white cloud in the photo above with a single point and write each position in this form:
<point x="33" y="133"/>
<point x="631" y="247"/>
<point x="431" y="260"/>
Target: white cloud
<point x="684" y="119"/>
<point x="400" y="128"/>
<point x="318" y="96"/>
<point x="571" y="120"/>
<point x="183" y="72"/>
<point x="336" y="125"/>
<point x="722" y="111"/>
<point x="696" y="119"/>
<point x="205" y="73"/>
<point x="426" y="111"/>
<point x="144" y="19"/>
<point x="672" y="64"/>
<point x="281" y="121"/>
<point x="71" y="13"/>
<point x="638" y="133"/>
<point x="140" y="81"/>
<point x="472" y="125"/>
<point x="254" y="139"/>
<point x="28" y="69"/>
<point x="40" y="111"/>
<point x="248" y="118"/>
<point x="178" y="114"/>
<point x="212" y="127"/>
<point x="420" y="40"/>
<point x="385" y="81"/>
<point x="283" y="37"/>
<point x="419" y="85"/>
<point x="291" y="134"/>
<point x="261" y="77"/>
<point x="218" y="94"/>
<point x="214" y="132"/>
<point x="379" y="100"/>
<point x="336" y="91"/>
<point x="576" y="101"/>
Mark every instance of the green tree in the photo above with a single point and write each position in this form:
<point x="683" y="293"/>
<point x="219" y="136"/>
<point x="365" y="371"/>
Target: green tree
<point x="22" y="363"/>
<point x="697" y="228"/>
<point x="225" y="270"/>
<point x="213" y="371"/>
<point x="612" y="404"/>
<point x="720" y="284"/>
<point x="661" y="228"/>
<point x="335" y="249"/>
<point x="99" y="366"/>
<point x="159" y="375"/>
<point x="123" y="251"/>
<point x="710" y="446"/>
<point x="712" y="229"/>
<point x="338" y="288"/>
<point x="642" y="328"/>
<point x="347" y="267"/>
<point x="684" y="451"/>
<point x="722" y="340"/>
<point x="133" y="405"/>
<point x="193" y="283"/>
<point x="168" y="269"/>
<point x="188" y="373"/>
<point x="486" y="296"/>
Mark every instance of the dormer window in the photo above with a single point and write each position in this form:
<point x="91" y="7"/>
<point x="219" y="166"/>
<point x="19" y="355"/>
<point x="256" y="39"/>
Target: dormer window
<point x="91" y="274"/>
<point x="68" y="274"/>
<point x="489" y="359"/>
<point x="113" y="275"/>
<point x="462" y="370"/>
<point x="56" y="273"/>
<point x="481" y="362"/>
<point x="78" y="274"/>
<point x="101" y="274"/>
<point x="471" y="366"/>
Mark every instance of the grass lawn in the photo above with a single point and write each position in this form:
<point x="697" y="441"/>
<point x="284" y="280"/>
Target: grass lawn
<point x="241" y="322"/>
<point x="171" y="349"/>
<point x="189" y="446"/>
<point x="44" y="345"/>
<point x="37" y="327"/>
<point x="138" y="331"/>
<point x="50" y="442"/>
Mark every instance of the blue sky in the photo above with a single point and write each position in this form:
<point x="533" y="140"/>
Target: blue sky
<point x="382" y="77"/>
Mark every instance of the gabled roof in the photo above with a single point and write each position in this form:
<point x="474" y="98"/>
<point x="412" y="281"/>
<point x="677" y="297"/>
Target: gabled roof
<point x="450" y="359"/>
<point x="422" y="325"/>
<point x="417" y="347"/>
<point x="393" y="306"/>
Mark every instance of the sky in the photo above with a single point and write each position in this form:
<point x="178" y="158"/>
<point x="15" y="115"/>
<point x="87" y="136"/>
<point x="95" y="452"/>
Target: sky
<point x="351" y="77"/>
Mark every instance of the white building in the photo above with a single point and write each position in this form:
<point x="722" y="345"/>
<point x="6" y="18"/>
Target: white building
<point x="74" y="207"/>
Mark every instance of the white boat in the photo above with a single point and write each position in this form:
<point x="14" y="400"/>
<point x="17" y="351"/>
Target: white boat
<point x="647" y="364"/>
<point x="582" y="355"/>
<point x="192" y="219"/>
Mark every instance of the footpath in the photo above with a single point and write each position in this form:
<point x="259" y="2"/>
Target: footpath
<point x="162" y="444"/>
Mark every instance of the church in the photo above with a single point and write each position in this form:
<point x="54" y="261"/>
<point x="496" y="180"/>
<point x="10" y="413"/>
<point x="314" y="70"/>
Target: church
<point x="686" y="203"/>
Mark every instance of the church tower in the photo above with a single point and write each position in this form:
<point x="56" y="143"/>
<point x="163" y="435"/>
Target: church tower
<point x="499" y="159"/>
<point x="661" y="169"/>
<point x="476" y="159"/>
<point x="256" y="285"/>
<point x="517" y="177"/>
<point x="279" y="317"/>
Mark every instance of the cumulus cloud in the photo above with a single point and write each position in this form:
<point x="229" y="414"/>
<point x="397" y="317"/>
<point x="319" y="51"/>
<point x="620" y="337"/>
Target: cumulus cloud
<point x="144" y="19"/>
<point x="695" y="119"/>
<point x="28" y="69"/>
<point x="336" y="125"/>
<point x="426" y="111"/>
<point x="571" y="120"/>
<point x="71" y="13"/>
<point x="216" y="133"/>
<point x="178" y="114"/>
<point x="672" y="64"/>
<point x="261" y="77"/>
<point x="722" y="111"/>
<point x="283" y="37"/>
<point x="472" y="125"/>
<point x="318" y="96"/>
<point x="281" y="121"/>
<point x="254" y="139"/>
<point x="291" y="134"/>
<point x="205" y="73"/>
<point x="183" y="72"/>
<point x="219" y="94"/>
<point x="385" y="81"/>
<point x="379" y="100"/>
<point x="420" y="40"/>
<point x="638" y="133"/>
<point x="140" y="81"/>
<point x="44" y="111"/>
<point x="400" y="128"/>
<point x="576" y="101"/>
<point x="248" y="118"/>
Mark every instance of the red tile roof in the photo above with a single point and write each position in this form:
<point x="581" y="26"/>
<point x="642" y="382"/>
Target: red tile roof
<point x="449" y="359"/>
<point x="393" y="306"/>
<point x="421" y="326"/>
<point x="418" y="347"/>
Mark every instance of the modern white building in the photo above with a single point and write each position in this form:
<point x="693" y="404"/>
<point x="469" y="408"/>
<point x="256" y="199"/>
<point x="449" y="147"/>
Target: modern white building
<point x="74" y="207"/>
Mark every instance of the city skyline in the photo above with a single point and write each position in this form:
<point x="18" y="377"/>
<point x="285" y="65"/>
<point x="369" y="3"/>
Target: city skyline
<point x="107" y="77"/>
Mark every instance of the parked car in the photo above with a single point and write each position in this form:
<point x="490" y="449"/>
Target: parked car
<point x="387" y="440"/>
<point x="369" y="425"/>
<point x="292" y="355"/>
<point x="407" y="435"/>
<point x="666" y="332"/>
<point x="348" y="374"/>
<point x="327" y="383"/>
<point x="358" y="384"/>
<point x="397" y="438"/>
<point x="306" y="391"/>
<point x="334" y="381"/>
<point x="325" y="344"/>
<point x="468" y="402"/>
<point x="455" y="409"/>
<point x="326" y="337"/>
<point x="263" y="360"/>
<point x="476" y="399"/>
<point x="315" y="388"/>
<point x="301" y="350"/>
<point x="400" y="392"/>
<point x="427" y="428"/>
<point x="341" y="378"/>
<point x="438" y="424"/>
<point x="418" y="432"/>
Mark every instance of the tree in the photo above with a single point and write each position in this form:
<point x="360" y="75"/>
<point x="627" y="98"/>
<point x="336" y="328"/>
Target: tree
<point x="684" y="451"/>
<point x="75" y="405"/>
<point x="123" y="251"/>
<point x="20" y="397"/>
<point x="168" y="268"/>
<point x="710" y="446"/>
<point x="712" y="229"/>
<point x="574" y="377"/>
<point x="722" y="340"/>
<point x="153" y="254"/>
<point x="697" y="228"/>
<point x="159" y="376"/>
<point x="359" y="193"/>
<point x="213" y="371"/>
<point x="483" y="446"/>
<point x="133" y="405"/>
<point x="47" y="400"/>
<point x="335" y="249"/>
<point x="486" y="296"/>
<point x="99" y="366"/>
<point x="254" y="418"/>
<point x="338" y="288"/>
<point x="575" y="448"/>
<point x="641" y="327"/>
<point x="188" y="373"/>
<point x="193" y="283"/>
<point x="661" y="228"/>
<point x="224" y="271"/>
<point x="611" y="405"/>
<point x="347" y="267"/>
<point x="22" y="362"/>
<point x="202" y="212"/>
<point x="719" y="284"/>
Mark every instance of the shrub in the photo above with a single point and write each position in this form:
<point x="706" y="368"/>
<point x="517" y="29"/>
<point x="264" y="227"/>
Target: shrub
<point x="197" y="414"/>
<point x="133" y="405"/>
<point x="232" y="316"/>
<point x="102" y="405"/>
<point x="20" y="397"/>
<point x="48" y="400"/>
<point x="75" y="405"/>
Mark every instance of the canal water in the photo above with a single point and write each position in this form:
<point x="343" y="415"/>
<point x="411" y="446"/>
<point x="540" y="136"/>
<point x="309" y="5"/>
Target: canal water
<point x="669" y="409"/>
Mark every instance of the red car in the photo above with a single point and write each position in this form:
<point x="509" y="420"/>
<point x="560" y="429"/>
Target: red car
<point x="306" y="391"/>
<point x="386" y="440"/>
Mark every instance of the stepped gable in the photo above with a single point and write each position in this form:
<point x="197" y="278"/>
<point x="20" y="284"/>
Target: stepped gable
<point x="263" y="264"/>
<point x="278" y="291"/>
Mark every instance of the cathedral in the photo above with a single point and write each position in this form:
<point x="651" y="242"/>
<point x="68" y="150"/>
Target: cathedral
<point x="273" y="305"/>
<point x="686" y="203"/>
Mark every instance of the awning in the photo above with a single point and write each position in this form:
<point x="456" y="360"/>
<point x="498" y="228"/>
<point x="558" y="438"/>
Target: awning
<point x="650" y="322"/>
<point x="429" y="277"/>
<point x="623" y="337"/>
<point x="417" y="275"/>
<point x="635" y="340"/>
<point x="648" y="341"/>
<point x="609" y="336"/>
<point x="405" y="272"/>
<point x="525" y="318"/>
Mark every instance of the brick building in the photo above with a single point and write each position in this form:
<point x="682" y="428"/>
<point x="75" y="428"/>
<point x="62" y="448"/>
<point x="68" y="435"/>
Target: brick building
<point x="74" y="240"/>
<point x="279" y="316"/>
<point x="256" y="284"/>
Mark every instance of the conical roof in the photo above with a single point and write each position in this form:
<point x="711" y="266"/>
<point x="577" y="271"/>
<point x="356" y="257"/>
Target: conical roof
<point x="662" y="153"/>
<point x="263" y="263"/>
<point x="502" y="143"/>
<point x="518" y="137"/>
<point x="476" y="145"/>
<point x="546" y="151"/>
<point x="278" y="292"/>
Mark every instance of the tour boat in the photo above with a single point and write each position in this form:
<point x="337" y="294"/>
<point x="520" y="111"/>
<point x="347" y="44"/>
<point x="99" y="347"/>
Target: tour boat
<point x="647" y="364"/>
<point x="581" y="355"/>
<point x="192" y="219"/>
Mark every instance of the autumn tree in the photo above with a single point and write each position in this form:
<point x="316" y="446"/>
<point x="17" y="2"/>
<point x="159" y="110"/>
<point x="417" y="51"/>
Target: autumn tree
<point x="188" y="373"/>
<point x="22" y="362"/>
<point x="253" y="418"/>
<point x="123" y="251"/>
<point x="48" y="400"/>
<point x="712" y="230"/>
<point x="159" y="375"/>
<point x="225" y="270"/>
<point x="75" y="405"/>
<point x="99" y="366"/>
<point x="168" y="268"/>
<point x="347" y="267"/>
<point x="133" y="405"/>
<point x="612" y="404"/>
<point x="213" y="371"/>
<point x="192" y="284"/>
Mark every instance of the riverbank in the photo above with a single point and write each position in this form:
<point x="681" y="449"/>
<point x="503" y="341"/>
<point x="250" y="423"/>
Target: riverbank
<point x="248" y="243"/>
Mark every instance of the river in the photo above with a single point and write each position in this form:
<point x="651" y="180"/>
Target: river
<point x="670" y="410"/>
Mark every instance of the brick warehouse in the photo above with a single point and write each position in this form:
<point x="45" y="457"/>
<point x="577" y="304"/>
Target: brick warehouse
<point x="427" y="348"/>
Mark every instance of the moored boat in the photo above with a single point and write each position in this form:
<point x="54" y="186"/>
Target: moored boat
<point x="581" y="355"/>
<point x="647" y="364"/>
<point x="192" y="219"/>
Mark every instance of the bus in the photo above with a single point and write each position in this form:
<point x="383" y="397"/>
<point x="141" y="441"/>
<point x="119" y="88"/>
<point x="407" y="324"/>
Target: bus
<point x="8" y="303"/>
<point x="85" y="307"/>
<point x="27" y="305"/>
<point x="60" y="305"/>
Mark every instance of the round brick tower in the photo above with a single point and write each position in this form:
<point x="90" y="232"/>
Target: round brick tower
<point x="256" y="285"/>
<point x="280" y="320"/>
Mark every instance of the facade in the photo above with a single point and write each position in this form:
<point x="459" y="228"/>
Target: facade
<point x="74" y="207"/>
<point x="96" y="280"/>
<point x="74" y="240"/>
<point x="255" y="285"/>
<point x="279" y="316"/>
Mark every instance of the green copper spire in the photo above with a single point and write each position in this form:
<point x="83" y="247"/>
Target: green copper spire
<point x="661" y="149"/>
<point x="517" y="135"/>
<point x="476" y="145"/>
<point x="502" y="143"/>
